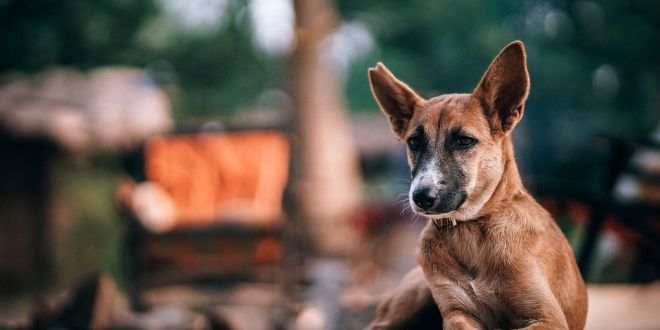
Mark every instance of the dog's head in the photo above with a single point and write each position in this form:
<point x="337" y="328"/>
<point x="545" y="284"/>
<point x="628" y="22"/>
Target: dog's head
<point x="456" y="142"/>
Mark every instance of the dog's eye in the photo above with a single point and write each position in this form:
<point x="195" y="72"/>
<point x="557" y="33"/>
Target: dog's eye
<point x="465" y="142"/>
<point x="413" y="142"/>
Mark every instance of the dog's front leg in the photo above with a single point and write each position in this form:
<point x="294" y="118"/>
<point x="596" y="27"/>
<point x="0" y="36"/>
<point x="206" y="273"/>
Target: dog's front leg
<point x="534" y="300"/>
<point x="448" y="282"/>
<point x="459" y="321"/>
<point x="455" y="306"/>
<point x="553" y="319"/>
<point x="544" y="326"/>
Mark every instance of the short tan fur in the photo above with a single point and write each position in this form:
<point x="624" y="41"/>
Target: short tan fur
<point x="490" y="255"/>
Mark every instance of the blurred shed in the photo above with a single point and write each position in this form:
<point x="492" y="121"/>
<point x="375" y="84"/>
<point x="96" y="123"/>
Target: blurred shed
<point x="48" y="117"/>
<point x="109" y="109"/>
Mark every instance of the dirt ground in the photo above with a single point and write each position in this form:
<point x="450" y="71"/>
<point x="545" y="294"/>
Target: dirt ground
<point x="342" y="294"/>
<point x="611" y="306"/>
<point x="624" y="307"/>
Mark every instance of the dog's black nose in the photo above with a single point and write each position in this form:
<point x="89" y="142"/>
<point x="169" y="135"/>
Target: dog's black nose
<point x="424" y="197"/>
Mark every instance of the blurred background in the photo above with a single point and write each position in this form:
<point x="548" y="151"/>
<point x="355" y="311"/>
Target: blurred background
<point x="221" y="164"/>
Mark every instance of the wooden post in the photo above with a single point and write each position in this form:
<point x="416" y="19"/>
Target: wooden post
<point x="328" y="183"/>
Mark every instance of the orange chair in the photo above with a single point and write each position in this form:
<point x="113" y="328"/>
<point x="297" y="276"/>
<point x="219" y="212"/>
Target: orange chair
<point x="205" y="206"/>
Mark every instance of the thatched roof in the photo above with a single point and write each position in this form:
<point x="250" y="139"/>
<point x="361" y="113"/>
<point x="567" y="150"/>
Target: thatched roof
<point x="104" y="109"/>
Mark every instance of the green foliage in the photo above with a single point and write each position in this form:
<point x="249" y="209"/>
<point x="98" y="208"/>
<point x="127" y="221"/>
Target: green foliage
<point x="211" y="72"/>
<point x="37" y="33"/>
<point x="593" y="65"/>
<point x="219" y="71"/>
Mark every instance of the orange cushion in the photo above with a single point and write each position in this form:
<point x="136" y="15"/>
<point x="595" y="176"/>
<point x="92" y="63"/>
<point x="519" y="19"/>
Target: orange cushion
<point x="213" y="177"/>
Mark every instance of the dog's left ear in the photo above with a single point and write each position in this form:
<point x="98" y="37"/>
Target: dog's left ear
<point x="504" y="88"/>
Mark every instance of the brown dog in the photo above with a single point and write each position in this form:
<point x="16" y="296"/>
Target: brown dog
<point x="491" y="256"/>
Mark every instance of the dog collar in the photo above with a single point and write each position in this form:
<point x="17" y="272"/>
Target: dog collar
<point x="444" y="223"/>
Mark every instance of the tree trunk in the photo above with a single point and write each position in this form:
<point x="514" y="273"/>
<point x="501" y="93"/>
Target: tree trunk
<point x="329" y="183"/>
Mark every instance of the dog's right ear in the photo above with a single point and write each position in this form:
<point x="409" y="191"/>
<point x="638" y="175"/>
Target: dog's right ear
<point x="395" y="98"/>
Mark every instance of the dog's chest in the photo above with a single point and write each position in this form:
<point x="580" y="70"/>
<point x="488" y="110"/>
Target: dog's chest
<point x="463" y="246"/>
<point x="459" y="258"/>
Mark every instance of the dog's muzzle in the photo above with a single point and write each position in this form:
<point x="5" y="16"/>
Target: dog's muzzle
<point x="434" y="201"/>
